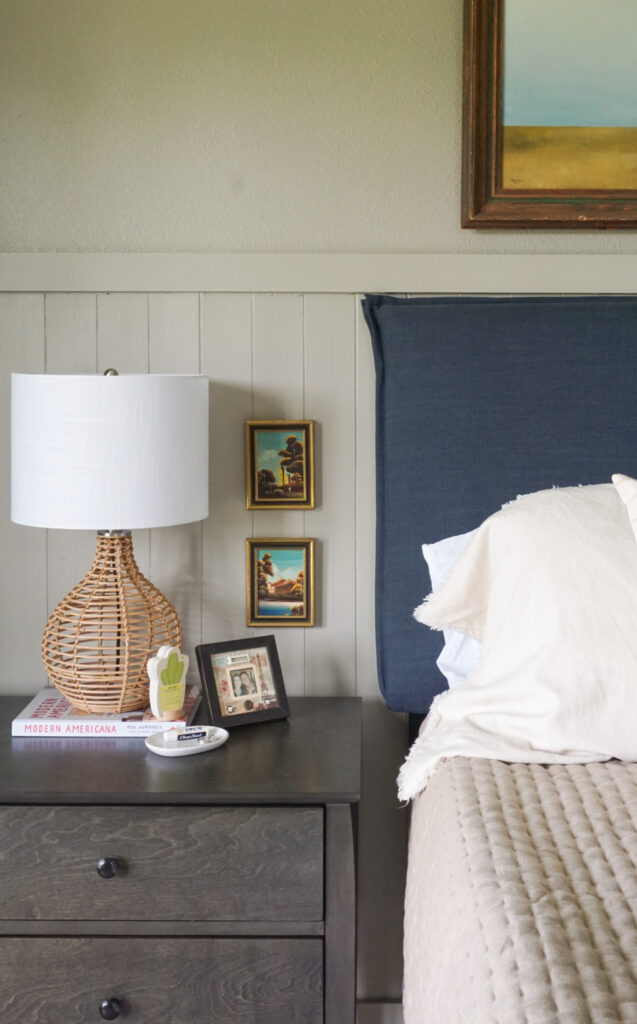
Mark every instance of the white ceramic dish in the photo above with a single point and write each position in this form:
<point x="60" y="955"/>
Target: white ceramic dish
<point x="161" y="743"/>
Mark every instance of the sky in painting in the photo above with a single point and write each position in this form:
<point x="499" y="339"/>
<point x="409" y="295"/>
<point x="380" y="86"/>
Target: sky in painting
<point x="270" y="443"/>
<point x="287" y="563"/>
<point x="570" y="62"/>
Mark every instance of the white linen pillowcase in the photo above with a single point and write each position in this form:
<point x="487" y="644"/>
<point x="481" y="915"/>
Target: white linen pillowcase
<point x="549" y="585"/>
<point x="627" y="490"/>
<point x="460" y="653"/>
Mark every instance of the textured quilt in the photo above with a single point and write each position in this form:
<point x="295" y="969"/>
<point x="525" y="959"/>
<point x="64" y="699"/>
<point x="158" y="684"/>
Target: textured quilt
<point x="521" y="895"/>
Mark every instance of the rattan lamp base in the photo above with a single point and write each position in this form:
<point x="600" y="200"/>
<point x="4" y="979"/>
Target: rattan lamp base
<point x="99" y="638"/>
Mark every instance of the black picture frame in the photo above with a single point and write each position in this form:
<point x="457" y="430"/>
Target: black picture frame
<point x="242" y="681"/>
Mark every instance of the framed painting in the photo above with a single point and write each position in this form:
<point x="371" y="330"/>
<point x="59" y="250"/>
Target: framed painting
<point x="280" y="463"/>
<point x="242" y="681"/>
<point x="549" y="122"/>
<point x="280" y="582"/>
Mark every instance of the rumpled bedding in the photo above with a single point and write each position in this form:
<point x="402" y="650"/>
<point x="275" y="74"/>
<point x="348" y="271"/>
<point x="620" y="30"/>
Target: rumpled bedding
<point x="549" y="586"/>
<point x="522" y="895"/>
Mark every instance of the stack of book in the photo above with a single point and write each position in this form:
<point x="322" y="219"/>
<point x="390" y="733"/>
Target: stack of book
<point x="50" y="714"/>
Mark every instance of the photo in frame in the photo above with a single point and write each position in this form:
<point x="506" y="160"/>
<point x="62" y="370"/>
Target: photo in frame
<point x="280" y="582"/>
<point x="242" y="680"/>
<point x="549" y="131"/>
<point x="279" y="464"/>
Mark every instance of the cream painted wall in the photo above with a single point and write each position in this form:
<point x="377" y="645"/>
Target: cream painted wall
<point x="240" y="125"/>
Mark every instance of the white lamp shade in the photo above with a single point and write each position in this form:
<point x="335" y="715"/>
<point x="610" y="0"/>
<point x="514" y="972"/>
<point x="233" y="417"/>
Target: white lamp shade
<point x="108" y="453"/>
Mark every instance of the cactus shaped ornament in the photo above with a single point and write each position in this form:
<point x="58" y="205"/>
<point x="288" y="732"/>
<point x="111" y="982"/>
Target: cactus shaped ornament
<point x="167" y="675"/>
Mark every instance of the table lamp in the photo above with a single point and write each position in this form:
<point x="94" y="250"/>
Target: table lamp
<point x="108" y="453"/>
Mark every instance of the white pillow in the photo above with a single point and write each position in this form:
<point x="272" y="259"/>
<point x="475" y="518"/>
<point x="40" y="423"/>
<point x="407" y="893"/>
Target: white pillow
<point x="460" y="653"/>
<point x="549" y="585"/>
<point x="627" y="490"/>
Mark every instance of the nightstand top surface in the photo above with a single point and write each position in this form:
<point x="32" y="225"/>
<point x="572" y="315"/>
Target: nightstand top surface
<point x="313" y="756"/>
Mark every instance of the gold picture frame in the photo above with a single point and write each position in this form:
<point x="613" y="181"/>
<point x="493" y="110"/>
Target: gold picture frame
<point x="280" y="581"/>
<point x="279" y="464"/>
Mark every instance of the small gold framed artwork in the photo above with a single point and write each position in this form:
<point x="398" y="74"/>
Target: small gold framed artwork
<point x="280" y="464"/>
<point x="280" y="582"/>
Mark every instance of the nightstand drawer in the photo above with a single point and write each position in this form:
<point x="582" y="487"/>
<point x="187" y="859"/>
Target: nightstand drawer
<point x="176" y="981"/>
<point x="161" y="863"/>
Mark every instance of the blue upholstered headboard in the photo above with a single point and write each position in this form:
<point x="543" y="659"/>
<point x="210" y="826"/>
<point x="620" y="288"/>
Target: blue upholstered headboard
<point x="479" y="400"/>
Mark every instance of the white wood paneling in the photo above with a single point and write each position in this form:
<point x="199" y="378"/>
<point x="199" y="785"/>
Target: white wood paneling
<point x="279" y="385"/>
<point x="23" y="607"/>
<point x="278" y="372"/>
<point x="176" y="552"/>
<point x="71" y="333"/>
<point x="330" y="368"/>
<point x="226" y="356"/>
<point x="347" y="272"/>
<point x="122" y="343"/>
<point x="122" y="333"/>
<point x="71" y="347"/>
<point x="365" y="509"/>
<point x="383" y="824"/>
<point x="173" y="333"/>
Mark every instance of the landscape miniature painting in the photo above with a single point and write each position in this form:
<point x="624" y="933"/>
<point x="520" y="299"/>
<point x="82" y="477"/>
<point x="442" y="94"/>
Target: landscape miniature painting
<point x="280" y="582"/>
<point x="569" y="95"/>
<point x="280" y="464"/>
<point x="549" y="114"/>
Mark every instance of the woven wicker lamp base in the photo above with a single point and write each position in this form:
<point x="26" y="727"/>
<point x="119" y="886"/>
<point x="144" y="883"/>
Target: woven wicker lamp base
<point x="99" y="638"/>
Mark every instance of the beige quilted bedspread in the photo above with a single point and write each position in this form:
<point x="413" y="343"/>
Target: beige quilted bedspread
<point x="522" y="895"/>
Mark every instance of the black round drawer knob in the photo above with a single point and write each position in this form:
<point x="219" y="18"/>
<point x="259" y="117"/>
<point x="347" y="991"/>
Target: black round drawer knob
<point x="107" y="867"/>
<point x="110" y="1009"/>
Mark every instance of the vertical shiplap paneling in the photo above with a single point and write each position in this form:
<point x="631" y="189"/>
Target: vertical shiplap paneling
<point x="71" y="347"/>
<point x="226" y="357"/>
<point x="330" y="385"/>
<point x="122" y="343"/>
<point x="173" y="333"/>
<point x="382" y="823"/>
<point x="366" y="678"/>
<point x="278" y="367"/>
<point x="71" y="332"/>
<point x="122" y="332"/>
<point x="176" y="552"/>
<point x="23" y="608"/>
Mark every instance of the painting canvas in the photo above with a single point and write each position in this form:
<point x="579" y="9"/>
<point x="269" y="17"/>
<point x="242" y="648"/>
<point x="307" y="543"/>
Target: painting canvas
<point x="569" y="94"/>
<point x="550" y="114"/>
<point x="280" y="463"/>
<point x="280" y="585"/>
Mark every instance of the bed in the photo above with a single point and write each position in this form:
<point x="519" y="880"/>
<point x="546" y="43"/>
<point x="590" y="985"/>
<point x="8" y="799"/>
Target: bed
<point x="521" y="896"/>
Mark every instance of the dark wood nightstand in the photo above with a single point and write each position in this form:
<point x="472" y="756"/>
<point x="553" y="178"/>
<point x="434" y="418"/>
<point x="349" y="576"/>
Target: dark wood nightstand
<point x="219" y="887"/>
